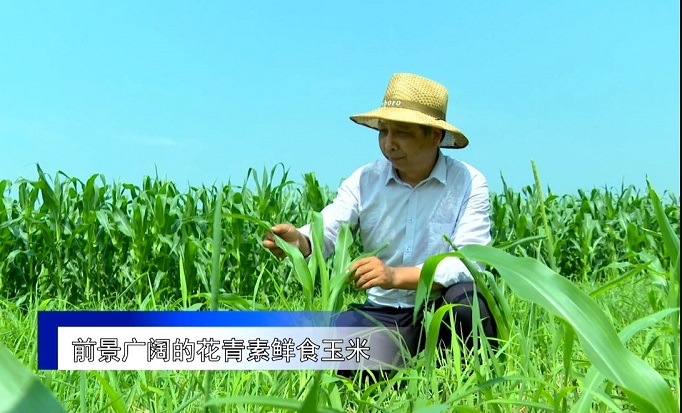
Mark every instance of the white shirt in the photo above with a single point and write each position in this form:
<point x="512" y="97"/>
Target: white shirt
<point x="453" y="201"/>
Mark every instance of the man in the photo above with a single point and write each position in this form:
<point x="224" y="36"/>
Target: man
<point x="411" y="198"/>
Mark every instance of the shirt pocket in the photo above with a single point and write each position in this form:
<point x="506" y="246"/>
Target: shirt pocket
<point x="436" y="243"/>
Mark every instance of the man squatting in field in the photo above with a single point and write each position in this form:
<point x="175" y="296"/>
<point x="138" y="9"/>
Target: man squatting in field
<point x="411" y="198"/>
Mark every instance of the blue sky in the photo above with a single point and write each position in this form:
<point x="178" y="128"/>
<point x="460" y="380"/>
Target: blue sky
<point x="201" y="91"/>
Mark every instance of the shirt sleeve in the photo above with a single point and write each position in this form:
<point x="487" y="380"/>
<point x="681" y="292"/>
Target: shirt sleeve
<point x="344" y="209"/>
<point x="473" y="227"/>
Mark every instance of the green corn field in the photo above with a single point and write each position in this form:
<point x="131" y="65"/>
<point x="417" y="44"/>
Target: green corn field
<point x="585" y="287"/>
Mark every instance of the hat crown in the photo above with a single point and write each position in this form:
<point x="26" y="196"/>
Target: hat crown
<point x="415" y="99"/>
<point x="417" y="89"/>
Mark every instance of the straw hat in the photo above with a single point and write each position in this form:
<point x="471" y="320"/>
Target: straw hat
<point x="414" y="99"/>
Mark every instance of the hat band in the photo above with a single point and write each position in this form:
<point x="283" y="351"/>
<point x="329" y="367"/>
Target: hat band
<point x="407" y="104"/>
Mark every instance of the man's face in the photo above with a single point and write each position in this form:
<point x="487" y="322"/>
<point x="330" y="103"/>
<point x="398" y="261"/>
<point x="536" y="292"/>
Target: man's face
<point x="407" y="147"/>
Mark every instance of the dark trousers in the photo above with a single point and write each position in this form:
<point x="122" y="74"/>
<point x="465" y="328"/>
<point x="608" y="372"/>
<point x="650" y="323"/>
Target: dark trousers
<point x="414" y="334"/>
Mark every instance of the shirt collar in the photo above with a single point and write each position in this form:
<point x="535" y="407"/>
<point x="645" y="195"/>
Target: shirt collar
<point x="439" y="171"/>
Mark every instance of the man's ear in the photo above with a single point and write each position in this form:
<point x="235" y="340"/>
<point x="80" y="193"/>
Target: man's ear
<point x="437" y="135"/>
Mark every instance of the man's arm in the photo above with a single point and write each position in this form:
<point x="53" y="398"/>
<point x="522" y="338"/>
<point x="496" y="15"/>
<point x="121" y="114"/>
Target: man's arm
<point x="473" y="227"/>
<point x="344" y="209"/>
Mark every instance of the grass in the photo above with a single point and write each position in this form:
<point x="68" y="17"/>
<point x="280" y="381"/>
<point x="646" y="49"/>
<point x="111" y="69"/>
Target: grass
<point x="67" y="244"/>
<point x="529" y="375"/>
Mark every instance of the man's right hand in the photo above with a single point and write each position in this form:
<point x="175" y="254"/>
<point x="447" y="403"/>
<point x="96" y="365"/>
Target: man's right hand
<point x="290" y="234"/>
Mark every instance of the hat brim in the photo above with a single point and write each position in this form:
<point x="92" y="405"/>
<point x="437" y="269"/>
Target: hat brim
<point x="453" y="138"/>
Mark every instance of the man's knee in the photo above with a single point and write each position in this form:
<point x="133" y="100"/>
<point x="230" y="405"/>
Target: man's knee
<point x="354" y="317"/>
<point x="462" y="295"/>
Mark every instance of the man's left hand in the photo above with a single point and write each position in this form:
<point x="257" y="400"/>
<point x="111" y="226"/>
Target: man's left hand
<point x="372" y="272"/>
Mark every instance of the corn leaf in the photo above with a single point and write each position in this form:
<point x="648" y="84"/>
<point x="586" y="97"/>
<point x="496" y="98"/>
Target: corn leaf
<point x="534" y="282"/>
<point x="593" y="378"/>
<point x="341" y="263"/>
<point x="20" y="390"/>
<point x="670" y="239"/>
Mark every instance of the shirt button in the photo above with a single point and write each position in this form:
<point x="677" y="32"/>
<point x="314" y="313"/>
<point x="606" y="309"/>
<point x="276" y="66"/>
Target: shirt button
<point x="411" y="219"/>
<point x="407" y="249"/>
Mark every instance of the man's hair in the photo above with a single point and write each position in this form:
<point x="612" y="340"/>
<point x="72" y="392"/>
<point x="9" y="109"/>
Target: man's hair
<point x="428" y="129"/>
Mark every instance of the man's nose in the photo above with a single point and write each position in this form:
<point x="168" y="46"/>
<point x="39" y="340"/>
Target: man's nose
<point x="390" y="141"/>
